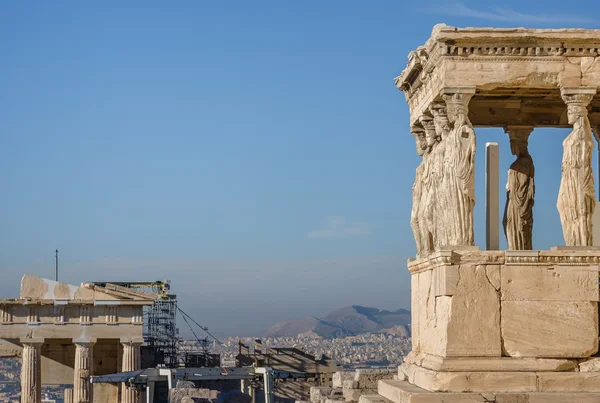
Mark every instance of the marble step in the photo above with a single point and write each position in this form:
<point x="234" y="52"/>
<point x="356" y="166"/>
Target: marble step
<point x="395" y="391"/>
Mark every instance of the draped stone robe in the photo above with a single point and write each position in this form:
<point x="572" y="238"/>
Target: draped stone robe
<point x="415" y="222"/>
<point x="459" y="183"/>
<point x="576" y="199"/>
<point x="518" y="217"/>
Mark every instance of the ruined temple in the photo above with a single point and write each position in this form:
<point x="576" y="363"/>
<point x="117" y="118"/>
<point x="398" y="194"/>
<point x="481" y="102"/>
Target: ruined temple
<point x="516" y="325"/>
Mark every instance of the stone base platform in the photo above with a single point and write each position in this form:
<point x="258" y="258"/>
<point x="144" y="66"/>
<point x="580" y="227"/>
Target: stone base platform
<point x="501" y="381"/>
<point x="392" y="391"/>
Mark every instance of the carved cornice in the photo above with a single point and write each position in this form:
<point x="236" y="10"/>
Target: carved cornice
<point x="518" y="257"/>
<point x="495" y="45"/>
<point x="433" y="260"/>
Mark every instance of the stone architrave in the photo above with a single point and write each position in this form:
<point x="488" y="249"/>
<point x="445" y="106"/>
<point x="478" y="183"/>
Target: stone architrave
<point x="576" y="198"/>
<point x="31" y="372"/>
<point x="84" y="358"/>
<point x="459" y="168"/>
<point x="442" y="130"/>
<point x="415" y="218"/>
<point x="131" y="362"/>
<point x="520" y="191"/>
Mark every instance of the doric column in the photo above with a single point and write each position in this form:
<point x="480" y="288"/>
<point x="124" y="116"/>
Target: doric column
<point x="131" y="362"/>
<point x="68" y="395"/>
<point x="520" y="191"/>
<point x="576" y="196"/>
<point x="31" y="374"/>
<point x="457" y="190"/>
<point x="84" y="364"/>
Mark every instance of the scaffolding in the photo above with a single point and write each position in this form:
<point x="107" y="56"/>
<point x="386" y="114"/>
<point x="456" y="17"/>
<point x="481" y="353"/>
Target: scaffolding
<point x="160" y="331"/>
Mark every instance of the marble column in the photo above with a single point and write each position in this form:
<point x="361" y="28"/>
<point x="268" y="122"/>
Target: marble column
<point x="68" y="395"/>
<point x="84" y="365"/>
<point x="520" y="191"/>
<point x="576" y="196"/>
<point x="31" y="373"/>
<point x="131" y="362"/>
<point x="457" y="190"/>
<point x="492" y="197"/>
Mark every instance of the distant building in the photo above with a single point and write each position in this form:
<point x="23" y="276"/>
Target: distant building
<point x="310" y="370"/>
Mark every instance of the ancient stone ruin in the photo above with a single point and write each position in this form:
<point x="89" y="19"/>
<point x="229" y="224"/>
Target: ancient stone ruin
<point x="64" y="334"/>
<point x="519" y="325"/>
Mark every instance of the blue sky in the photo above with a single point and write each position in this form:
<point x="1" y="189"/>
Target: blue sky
<point x="257" y="154"/>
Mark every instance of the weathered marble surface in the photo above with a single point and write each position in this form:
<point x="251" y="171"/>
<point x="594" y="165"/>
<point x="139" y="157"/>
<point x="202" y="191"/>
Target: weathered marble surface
<point x="520" y="192"/>
<point x="576" y="198"/>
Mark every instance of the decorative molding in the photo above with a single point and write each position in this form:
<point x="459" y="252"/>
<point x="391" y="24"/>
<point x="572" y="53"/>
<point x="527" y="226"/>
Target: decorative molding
<point x="518" y="257"/>
<point x="112" y="315"/>
<point x="85" y="315"/>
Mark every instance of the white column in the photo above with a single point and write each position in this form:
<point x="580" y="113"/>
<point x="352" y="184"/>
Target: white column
<point x="131" y="362"/>
<point x="31" y="374"/>
<point x="268" y="385"/>
<point x="150" y="392"/>
<point x="492" y="196"/>
<point x="68" y="395"/>
<point x="84" y="364"/>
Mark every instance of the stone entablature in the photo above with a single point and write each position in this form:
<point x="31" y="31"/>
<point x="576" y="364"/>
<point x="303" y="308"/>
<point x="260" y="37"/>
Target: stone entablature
<point x="513" y="70"/>
<point x="66" y="333"/>
<point x="44" y="312"/>
<point x="556" y="256"/>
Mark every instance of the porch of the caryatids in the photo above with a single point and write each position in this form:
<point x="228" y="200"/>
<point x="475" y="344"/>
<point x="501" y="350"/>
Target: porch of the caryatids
<point x="576" y="198"/>
<point x="520" y="191"/>
<point x="458" y="182"/>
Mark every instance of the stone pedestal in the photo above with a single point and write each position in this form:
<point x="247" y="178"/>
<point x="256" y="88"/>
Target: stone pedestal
<point x="131" y="362"/>
<point x="31" y="374"/>
<point x="82" y="388"/>
<point x="493" y="323"/>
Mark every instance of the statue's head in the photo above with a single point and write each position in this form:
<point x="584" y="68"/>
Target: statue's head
<point x="456" y="106"/>
<point x="440" y="119"/>
<point x="577" y="103"/>
<point x="575" y="111"/>
<point x="518" y="146"/>
<point x="420" y="140"/>
<point x="429" y="127"/>
<point x="519" y="138"/>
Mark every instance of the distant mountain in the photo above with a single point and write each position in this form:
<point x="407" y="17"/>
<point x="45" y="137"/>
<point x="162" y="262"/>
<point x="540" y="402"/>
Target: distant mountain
<point x="349" y="321"/>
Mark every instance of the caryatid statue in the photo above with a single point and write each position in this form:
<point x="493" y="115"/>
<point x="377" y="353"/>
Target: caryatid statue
<point x="432" y="181"/>
<point x="417" y="190"/>
<point x="576" y="199"/>
<point x="520" y="191"/>
<point x="442" y="130"/>
<point x="459" y="171"/>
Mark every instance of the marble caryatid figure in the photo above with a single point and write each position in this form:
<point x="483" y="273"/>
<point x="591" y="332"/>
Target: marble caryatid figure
<point x="417" y="190"/>
<point x="432" y="182"/>
<point x="576" y="200"/>
<point x="442" y="129"/>
<point x="459" y="171"/>
<point x="520" y="191"/>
